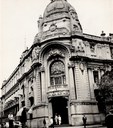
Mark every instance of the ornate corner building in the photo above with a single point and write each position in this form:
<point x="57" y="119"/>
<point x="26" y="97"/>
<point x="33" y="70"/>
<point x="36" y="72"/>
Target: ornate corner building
<point x="60" y="71"/>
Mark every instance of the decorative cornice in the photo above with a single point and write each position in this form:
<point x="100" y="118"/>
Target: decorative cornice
<point x="77" y="102"/>
<point x="87" y="59"/>
<point x="79" y="58"/>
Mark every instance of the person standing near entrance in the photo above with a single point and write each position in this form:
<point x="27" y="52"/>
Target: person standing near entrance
<point x="59" y="120"/>
<point x="51" y="123"/>
<point x="84" y="118"/>
<point x="56" y="118"/>
<point x="11" y="119"/>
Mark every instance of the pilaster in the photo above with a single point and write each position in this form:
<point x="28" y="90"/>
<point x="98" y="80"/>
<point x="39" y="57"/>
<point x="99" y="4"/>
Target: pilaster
<point x="20" y="94"/>
<point x="37" y="88"/>
<point x="26" y="94"/>
<point x="82" y="83"/>
<point x="91" y="82"/>
<point x="71" y="82"/>
<point x="43" y="85"/>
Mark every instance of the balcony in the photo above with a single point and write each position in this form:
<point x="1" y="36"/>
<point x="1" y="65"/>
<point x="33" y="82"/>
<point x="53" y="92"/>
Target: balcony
<point x="58" y="90"/>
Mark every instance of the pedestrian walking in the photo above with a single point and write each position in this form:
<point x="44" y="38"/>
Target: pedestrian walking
<point x="84" y="118"/>
<point x="11" y="119"/>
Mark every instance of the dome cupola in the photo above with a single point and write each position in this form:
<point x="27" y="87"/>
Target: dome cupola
<point x="59" y="20"/>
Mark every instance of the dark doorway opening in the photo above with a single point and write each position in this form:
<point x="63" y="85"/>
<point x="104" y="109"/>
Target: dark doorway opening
<point x="59" y="105"/>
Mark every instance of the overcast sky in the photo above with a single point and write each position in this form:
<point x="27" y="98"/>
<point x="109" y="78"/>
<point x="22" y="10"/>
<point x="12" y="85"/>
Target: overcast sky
<point x="18" y="24"/>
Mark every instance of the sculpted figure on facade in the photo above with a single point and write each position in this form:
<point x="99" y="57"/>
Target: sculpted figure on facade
<point x="37" y="38"/>
<point x="80" y="47"/>
<point x="35" y="53"/>
<point x="23" y="54"/>
<point x="76" y="26"/>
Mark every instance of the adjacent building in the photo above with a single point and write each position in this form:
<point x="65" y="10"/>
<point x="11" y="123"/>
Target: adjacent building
<point x="60" y="71"/>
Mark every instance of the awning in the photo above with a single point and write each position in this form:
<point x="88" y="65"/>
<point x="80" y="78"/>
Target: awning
<point x="19" y="113"/>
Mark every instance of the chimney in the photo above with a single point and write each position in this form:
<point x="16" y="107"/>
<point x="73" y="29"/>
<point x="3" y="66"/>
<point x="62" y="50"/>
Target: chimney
<point x="103" y="34"/>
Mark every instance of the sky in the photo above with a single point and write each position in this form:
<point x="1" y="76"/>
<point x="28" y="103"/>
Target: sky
<point x="18" y="26"/>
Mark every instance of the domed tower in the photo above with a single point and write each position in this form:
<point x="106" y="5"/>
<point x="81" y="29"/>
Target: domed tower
<point x="59" y="52"/>
<point x="59" y="20"/>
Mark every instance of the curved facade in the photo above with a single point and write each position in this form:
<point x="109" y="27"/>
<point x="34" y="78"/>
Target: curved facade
<point x="60" y="71"/>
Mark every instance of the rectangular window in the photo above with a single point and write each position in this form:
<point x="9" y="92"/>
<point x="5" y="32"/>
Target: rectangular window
<point x="58" y="80"/>
<point x="111" y="49"/>
<point x="96" y="77"/>
<point x="92" y="48"/>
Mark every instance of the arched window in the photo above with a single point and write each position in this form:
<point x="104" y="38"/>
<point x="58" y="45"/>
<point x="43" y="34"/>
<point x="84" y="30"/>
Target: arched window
<point x="57" y="73"/>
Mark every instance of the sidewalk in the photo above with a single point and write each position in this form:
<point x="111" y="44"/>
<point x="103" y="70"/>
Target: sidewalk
<point x="90" y="126"/>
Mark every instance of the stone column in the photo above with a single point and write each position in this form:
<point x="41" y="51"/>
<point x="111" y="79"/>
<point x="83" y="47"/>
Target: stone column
<point x="26" y="94"/>
<point x="37" y="89"/>
<point x="72" y="82"/>
<point x="91" y="82"/>
<point x="20" y="91"/>
<point x="50" y="109"/>
<point x="43" y="85"/>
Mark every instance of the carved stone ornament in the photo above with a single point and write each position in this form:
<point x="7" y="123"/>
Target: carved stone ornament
<point x="82" y="66"/>
<point x="80" y="47"/>
<point x="75" y="27"/>
<point x="107" y="67"/>
<point x="53" y="27"/>
<point x="72" y="48"/>
<point x="73" y="13"/>
<point x="42" y="69"/>
<point x="55" y="52"/>
<point x="35" y="53"/>
<point x="23" y="55"/>
<point x="71" y="65"/>
<point x="55" y="32"/>
<point x="58" y="93"/>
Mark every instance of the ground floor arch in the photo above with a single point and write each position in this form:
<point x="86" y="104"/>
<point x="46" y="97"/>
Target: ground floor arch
<point x="60" y="107"/>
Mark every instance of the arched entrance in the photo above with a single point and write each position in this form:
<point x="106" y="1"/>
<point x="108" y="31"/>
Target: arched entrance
<point x="59" y="106"/>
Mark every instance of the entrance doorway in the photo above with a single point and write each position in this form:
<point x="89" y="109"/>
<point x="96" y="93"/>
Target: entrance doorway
<point x="59" y="105"/>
